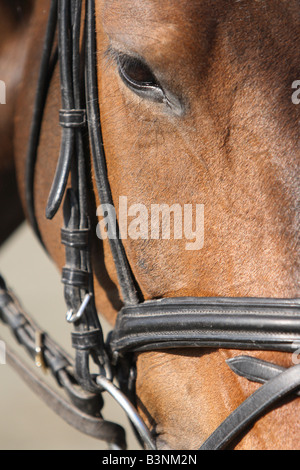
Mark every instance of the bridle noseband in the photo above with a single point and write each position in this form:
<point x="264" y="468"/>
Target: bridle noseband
<point x="230" y="323"/>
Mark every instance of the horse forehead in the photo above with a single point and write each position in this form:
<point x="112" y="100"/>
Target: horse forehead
<point x="154" y="27"/>
<point x="152" y="10"/>
<point x="153" y="22"/>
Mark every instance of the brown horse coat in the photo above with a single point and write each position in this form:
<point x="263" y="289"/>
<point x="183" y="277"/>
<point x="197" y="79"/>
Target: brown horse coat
<point x="227" y="137"/>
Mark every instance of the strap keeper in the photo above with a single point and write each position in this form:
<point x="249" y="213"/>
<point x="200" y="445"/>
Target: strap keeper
<point x="72" y="118"/>
<point x="75" y="238"/>
<point x="87" y="340"/>
<point x="75" y="277"/>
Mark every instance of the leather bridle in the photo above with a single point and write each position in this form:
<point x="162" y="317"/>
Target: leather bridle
<point x="230" y="323"/>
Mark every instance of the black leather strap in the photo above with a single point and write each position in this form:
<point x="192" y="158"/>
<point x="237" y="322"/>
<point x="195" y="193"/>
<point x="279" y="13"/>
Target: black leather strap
<point x="207" y="322"/>
<point x="253" y="408"/>
<point x="89" y="424"/>
<point x="84" y="408"/>
<point x="76" y="238"/>
<point x="87" y="340"/>
<point x="75" y="277"/>
<point x="66" y="43"/>
<point x="48" y="62"/>
<point x="255" y="370"/>
<point x="129" y="291"/>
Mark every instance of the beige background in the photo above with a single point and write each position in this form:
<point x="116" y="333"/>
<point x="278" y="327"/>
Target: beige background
<point x="25" y="422"/>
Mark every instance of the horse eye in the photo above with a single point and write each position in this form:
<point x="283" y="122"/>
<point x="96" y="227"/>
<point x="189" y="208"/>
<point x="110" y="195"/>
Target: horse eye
<point x="136" y="72"/>
<point x="138" y="76"/>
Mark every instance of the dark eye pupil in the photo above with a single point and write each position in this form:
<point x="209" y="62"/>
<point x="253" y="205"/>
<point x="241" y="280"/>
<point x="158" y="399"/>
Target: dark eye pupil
<point x="136" y="71"/>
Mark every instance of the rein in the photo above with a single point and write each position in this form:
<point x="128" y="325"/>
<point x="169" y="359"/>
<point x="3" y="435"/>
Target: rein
<point x="231" y="323"/>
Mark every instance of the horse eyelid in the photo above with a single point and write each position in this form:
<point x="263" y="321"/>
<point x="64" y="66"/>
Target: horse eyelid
<point x="151" y="89"/>
<point x="152" y="92"/>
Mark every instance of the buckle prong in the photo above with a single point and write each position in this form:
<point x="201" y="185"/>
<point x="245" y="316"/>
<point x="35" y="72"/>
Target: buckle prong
<point x="74" y="317"/>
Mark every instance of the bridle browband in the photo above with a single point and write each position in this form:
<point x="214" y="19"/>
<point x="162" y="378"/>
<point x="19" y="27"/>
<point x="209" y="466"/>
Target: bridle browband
<point x="230" y="323"/>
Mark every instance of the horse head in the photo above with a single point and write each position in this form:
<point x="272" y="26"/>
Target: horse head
<point x="197" y="118"/>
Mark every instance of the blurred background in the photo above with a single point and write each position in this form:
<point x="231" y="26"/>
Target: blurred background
<point x="25" y="421"/>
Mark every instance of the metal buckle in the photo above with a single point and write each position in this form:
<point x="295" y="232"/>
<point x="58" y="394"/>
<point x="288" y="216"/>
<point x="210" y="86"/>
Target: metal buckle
<point x="39" y="356"/>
